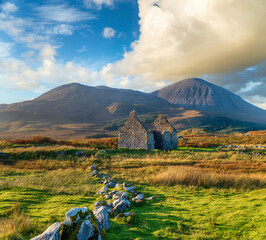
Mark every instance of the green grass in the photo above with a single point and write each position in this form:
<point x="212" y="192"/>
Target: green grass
<point x="44" y="186"/>
<point x="190" y="213"/>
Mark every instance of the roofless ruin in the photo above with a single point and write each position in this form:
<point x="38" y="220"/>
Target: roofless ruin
<point x="134" y="135"/>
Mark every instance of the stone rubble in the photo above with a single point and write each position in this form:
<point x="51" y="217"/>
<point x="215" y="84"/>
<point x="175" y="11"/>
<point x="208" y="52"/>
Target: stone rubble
<point x="85" y="224"/>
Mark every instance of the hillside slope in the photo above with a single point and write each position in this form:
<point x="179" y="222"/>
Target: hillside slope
<point x="198" y="94"/>
<point x="79" y="103"/>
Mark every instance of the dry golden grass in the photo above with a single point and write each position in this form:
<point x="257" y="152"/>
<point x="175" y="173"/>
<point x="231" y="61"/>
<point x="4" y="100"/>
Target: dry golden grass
<point x="16" y="225"/>
<point x="191" y="176"/>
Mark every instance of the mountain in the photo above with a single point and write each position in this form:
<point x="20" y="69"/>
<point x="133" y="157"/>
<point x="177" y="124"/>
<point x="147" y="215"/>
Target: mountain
<point x="79" y="103"/>
<point x="75" y="110"/>
<point x="198" y="94"/>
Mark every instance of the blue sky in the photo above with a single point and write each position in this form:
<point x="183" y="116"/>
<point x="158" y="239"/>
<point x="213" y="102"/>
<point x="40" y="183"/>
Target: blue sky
<point x="144" y="45"/>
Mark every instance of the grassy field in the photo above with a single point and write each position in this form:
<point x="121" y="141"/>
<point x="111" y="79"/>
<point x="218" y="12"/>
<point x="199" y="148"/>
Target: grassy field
<point x="202" y="192"/>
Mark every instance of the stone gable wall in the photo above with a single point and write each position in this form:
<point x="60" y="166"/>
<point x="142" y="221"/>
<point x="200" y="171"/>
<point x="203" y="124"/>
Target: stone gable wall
<point x="133" y="135"/>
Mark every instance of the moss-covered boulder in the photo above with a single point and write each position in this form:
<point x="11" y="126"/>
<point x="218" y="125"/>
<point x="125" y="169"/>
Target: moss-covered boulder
<point x="80" y="224"/>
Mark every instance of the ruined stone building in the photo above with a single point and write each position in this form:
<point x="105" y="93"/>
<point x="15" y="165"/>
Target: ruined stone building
<point x="134" y="135"/>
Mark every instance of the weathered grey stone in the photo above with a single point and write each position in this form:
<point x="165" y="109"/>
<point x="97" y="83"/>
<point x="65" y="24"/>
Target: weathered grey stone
<point x="131" y="189"/>
<point x="121" y="204"/>
<point x="103" y="190"/>
<point x="111" y="184"/>
<point x="93" y="167"/>
<point x="80" y="154"/>
<point x="73" y="212"/>
<point x="105" y="177"/>
<point x="118" y="185"/>
<point x="120" y="194"/>
<point x="133" y="134"/>
<point x="94" y="173"/>
<point x="107" y="196"/>
<point x="86" y="231"/>
<point x="98" y="204"/>
<point x="113" y="192"/>
<point x="125" y="214"/>
<point x="51" y="233"/>
<point x="101" y="175"/>
<point x="120" y="207"/>
<point x="102" y="216"/>
<point x="150" y="198"/>
<point x="139" y="197"/>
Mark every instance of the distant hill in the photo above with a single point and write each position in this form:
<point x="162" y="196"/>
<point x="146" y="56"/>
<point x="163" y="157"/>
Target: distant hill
<point x="75" y="110"/>
<point x="79" y="103"/>
<point x="198" y="94"/>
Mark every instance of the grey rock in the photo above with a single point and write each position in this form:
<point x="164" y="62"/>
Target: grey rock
<point x="86" y="231"/>
<point x="93" y="167"/>
<point x="131" y="189"/>
<point x="98" y="204"/>
<point x="121" y="204"/>
<point x="101" y="175"/>
<point x="71" y="213"/>
<point x="80" y="154"/>
<point x="150" y="198"/>
<point x="120" y="207"/>
<point x="51" y="233"/>
<point x="126" y="214"/>
<point x="120" y="194"/>
<point x="94" y="173"/>
<point x="102" y="216"/>
<point x="107" y="196"/>
<point x="113" y="192"/>
<point x="111" y="184"/>
<point x="118" y="185"/>
<point x="139" y="197"/>
<point x="103" y="190"/>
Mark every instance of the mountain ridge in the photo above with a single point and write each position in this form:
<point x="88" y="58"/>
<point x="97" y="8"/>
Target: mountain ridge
<point x="79" y="110"/>
<point x="195" y="93"/>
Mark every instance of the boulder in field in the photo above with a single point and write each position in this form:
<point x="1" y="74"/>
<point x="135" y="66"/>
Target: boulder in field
<point x="120" y="194"/>
<point x="80" y="224"/>
<point x="103" y="190"/>
<point x="51" y="233"/>
<point x="94" y="173"/>
<point x="93" y="167"/>
<point x="86" y="231"/>
<point x="139" y="197"/>
<point x="102" y="216"/>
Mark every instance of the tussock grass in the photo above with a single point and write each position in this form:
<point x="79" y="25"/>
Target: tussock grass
<point x="191" y="176"/>
<point x="17" y="225"/>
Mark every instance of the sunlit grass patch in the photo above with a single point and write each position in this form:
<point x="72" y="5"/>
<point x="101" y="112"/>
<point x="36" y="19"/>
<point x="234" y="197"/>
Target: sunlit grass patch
<point x="191" y="176"/>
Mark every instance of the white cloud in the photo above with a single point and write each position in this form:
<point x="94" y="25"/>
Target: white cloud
<point x="98" y="3"/>
<point x="189" y="38"/>
<point x="63" y="13"/>
<point x="5" y="49"/>
<point x="61" y="29"/>
<point x="108" y="32"/>
<point x="83" y="49"/>
<point x="47" y="72"/>
<point x="8" y="7"/>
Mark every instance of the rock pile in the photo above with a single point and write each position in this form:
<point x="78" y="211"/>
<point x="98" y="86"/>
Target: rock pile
<point x="85" y="224"/>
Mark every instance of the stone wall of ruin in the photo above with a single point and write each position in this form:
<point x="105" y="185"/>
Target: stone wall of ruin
<point x="133" y="135"/>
